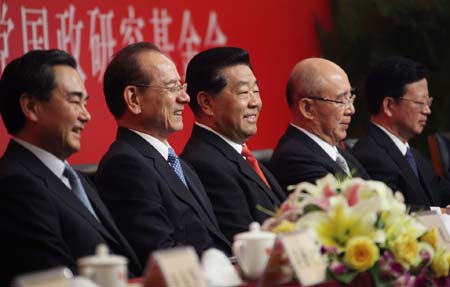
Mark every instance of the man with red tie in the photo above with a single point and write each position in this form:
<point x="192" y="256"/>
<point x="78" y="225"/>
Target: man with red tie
<point x="226" y="104"/>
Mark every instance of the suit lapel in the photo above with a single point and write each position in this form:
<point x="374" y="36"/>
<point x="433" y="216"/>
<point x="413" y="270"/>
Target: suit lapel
<point x="354" y="165"/>
<point x="59" y="189"/>
<point x="196" y="188"/>
<point x="232" y="155"/>
<point x="434" y="196"/>
<point x="168" y="175"/>
<point x="315" y="149"/>
<point x="56" y="187"/>
<point x="383" y="140"/>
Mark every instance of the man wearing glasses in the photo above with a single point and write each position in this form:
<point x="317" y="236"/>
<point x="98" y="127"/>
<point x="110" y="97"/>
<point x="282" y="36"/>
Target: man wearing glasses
<point x="399" y="104"/>
<point x="156" y="199"/>
<point x="320" y="99"/>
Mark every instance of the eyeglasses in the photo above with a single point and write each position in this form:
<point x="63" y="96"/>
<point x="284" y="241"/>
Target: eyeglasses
<point x="174" y="89"/>
<point x="345" y="103"/>
<point x="422" y="105"/>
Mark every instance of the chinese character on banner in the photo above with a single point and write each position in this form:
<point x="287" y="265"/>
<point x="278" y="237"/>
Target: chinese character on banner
<point x="189" y="39"/>
<point x="34" y="29"/>
<point x="69" y="35"/>
<point x="161" y="22"/>
<point x="214" y="35"/>
<point x="131" y="28"/>
<point x="101" y="41"/>
<point x="6" y="26"/>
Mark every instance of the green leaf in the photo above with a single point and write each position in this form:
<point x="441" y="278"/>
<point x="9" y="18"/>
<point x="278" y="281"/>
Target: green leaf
<point x="265" y="210"/>
<point x="311" y="207"/>
<point x="345" y="277"/>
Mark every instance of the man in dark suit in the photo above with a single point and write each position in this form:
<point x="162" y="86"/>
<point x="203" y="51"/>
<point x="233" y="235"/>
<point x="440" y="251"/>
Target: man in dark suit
<point x="156" y="199"/>
<point x="399" y="104"/>
<point x="49" y="215"/>
<point x="320" y="99"/>
<point x="226" y="106"/>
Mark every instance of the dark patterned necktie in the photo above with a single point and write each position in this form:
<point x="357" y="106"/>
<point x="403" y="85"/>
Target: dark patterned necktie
<point x="253" y="163"/>
<point x="174" y="162"/>
<point x="412" y="162"/>
<point x="77" y="188"/>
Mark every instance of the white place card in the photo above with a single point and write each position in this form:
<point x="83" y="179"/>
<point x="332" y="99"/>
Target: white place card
<point x="54" y="277"/>
<point x="432" y="219"/>
<point x="177" y="267"/>
<point x="305" y="257"/>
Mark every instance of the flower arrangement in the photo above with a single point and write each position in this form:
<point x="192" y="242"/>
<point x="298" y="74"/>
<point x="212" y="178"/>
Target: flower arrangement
<point x="364" y="227"/>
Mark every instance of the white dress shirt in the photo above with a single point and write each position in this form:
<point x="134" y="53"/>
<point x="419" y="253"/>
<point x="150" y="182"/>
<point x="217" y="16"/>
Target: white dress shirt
<point x="329" y="149"/>
<point x="54" y="164"/>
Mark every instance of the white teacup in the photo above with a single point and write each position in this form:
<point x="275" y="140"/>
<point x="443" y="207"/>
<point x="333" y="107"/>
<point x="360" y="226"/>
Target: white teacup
<point x="252" y="250"/>
<point x="104" y="269"/>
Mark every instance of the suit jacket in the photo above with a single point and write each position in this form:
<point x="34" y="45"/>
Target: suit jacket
<point x="298" y="158"/>
<point x="44" y="224"/>
<point x="384" y="162"/>
<point x="151" y="205"/>
<point x="234" y="188"/>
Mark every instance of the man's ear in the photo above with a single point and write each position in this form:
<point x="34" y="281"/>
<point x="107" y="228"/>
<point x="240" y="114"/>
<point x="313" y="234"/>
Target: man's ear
<point x="29" y="106"/>
<point x="388" y="106"/>
<point x="132" y="100"/>
<point x="305" y="108"/>
<point x="206" y="103"/>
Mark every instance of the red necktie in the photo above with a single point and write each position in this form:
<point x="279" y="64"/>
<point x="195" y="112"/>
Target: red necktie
<point x="253" y="163"/>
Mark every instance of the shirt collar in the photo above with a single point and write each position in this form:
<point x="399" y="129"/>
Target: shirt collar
<point x="403" y="147"/>
<point x="160" y="146"/>
<point x="54" y="164"/>
<point x="234" y="145"/>
<point x="329" y="149"/>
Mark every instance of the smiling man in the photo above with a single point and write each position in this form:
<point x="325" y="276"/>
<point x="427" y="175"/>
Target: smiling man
<point x="49" y="214"/>
<point x="399" y="104"/>
<point x="156" y="199"/>
<point x="320" y="100"/>
<point x="226" y="106"/>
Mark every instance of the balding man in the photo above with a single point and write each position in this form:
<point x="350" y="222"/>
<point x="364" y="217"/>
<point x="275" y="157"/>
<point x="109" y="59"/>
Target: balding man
<point x="319" y="96"/>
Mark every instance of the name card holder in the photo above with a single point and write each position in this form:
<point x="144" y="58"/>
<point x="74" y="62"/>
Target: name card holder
<point x="301" y="251"/>
<point x="432" y="219"/>
<point x="177" y="267"/>
<point x="55" y="277"/>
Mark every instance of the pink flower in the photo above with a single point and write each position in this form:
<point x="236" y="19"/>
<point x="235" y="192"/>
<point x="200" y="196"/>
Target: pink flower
<point x="337" y="267"/>
<point x="352" y="194"/>
<point x="288" y="206"/>
<point x="328" y="191"/>
<point x="322" y="203"/>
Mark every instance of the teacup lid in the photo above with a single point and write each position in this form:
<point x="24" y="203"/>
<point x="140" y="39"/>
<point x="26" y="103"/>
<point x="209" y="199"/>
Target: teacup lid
<point x="254" y="233"/>
<point x="102" y="257"/>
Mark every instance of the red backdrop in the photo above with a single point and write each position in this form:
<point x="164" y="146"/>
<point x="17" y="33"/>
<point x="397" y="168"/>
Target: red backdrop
<point x="277" y="34"/>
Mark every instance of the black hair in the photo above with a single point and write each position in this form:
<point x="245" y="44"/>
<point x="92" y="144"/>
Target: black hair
<point x="124" y="70"/>
<point x="31" y="74"/>
<point x="389" y="78"/>
<point x="203" y="71"/>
